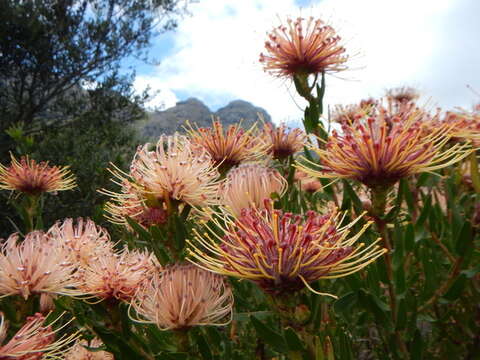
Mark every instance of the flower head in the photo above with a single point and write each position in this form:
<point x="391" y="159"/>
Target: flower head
<point x="36" y="265"/>
<point x="129" y="203"/>
<point x="118" y="275"/>
<point x="282" y="141"/>
<point x="307" y="183"/>
<point x="464" y="125"/>
<point x="79" y="352"/>
<point x="404" y="94"/>
<point x="183" y="296"/>
<point x="32" y="178"/>
<point x="249" y="185"/>
<point x="381" y="148"/>
<point x="34" y="341"/>
<point x="84" y="239"/>
<point x="283" y="252"/>
<point x="228" y="148"/>
<point x="303" y="47"/>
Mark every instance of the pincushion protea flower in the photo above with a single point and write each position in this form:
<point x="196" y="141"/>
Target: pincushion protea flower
<point x="307" y="183"/>
<point x="464" y="125"/>
<point x="380" y="149"/>
<point x="282" y="141"/>
<point x="228" y="148"/>
<point x="303" y="47"/>
<point x="130" y="204"/>
<point x="84" y="239"/>
<point x="283" y="252"/>
<point x="404" y="94"/>
<point x="249" y="185"/>
<point x="79" y="352"/>
<point x="32" y="178"/>
<point x="118" y="275"/>
<point x="183" y="296"/>
<point x="34" y="341"/>
<point x="36" y="265"/>
<point x="175" y="172"/>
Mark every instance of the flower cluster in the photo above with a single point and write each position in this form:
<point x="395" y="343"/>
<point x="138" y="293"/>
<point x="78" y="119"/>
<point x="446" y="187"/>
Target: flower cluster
<point x="284" y="252"/>
<point x="183" y="296"/>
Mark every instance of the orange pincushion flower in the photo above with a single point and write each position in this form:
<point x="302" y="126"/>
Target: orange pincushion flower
<point x="34" y="341"/>
<point x="228" y="148"/>
<point x="85" y="240"/>
<point x="29" y="177"/>
<point x="283" y="252"/>
<point x="37" y="265"/>
<point x="79" y="352"/>
<point x="282" y="141"/>
<point x="183" y="296"/>
<point x="249" y="185"/>
<point x="380" y="149"/>
<point x="118" y="275"/>
<point x="303" y="47"/>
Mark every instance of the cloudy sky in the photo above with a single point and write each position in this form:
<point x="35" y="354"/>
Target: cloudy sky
<point x="430" y="44"/>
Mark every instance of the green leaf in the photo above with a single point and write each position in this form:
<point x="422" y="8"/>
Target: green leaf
<point x="293" y="341"/>
<point x="142" y="233"/>
<point x="456" y="289"/>
<point x="271" y="337"/>
<point x="464" y="239"/>
<point x="352" y="195"/>
<point x="344" y="304"/>
<point x="202" y="345"/>
<point x="409" y="238"/>
<point x="416" y="347"/>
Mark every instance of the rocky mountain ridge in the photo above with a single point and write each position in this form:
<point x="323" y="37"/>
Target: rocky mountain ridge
<point x="196" y="112"/>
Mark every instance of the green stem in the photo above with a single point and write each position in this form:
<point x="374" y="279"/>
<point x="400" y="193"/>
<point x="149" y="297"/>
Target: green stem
<point x="379" y="204"/>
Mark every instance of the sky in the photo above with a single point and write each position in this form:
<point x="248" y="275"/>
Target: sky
<point x="213" y="55"/>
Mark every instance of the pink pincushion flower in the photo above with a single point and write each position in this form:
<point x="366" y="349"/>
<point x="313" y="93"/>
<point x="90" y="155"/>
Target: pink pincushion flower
<point x="84" y="239"/>
<point x="183" y="296"/>
<point x="118" y="275"/>
<point x="249" y="185"/>
<point x="36" y="265"/>
<point x="130" y="203"/>
<point x="34" y="341"/>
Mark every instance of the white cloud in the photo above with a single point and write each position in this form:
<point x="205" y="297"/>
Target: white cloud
<point x="215" y="55"/>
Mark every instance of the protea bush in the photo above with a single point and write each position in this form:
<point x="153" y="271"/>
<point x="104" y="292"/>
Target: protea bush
<point x="271" y="242"/>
